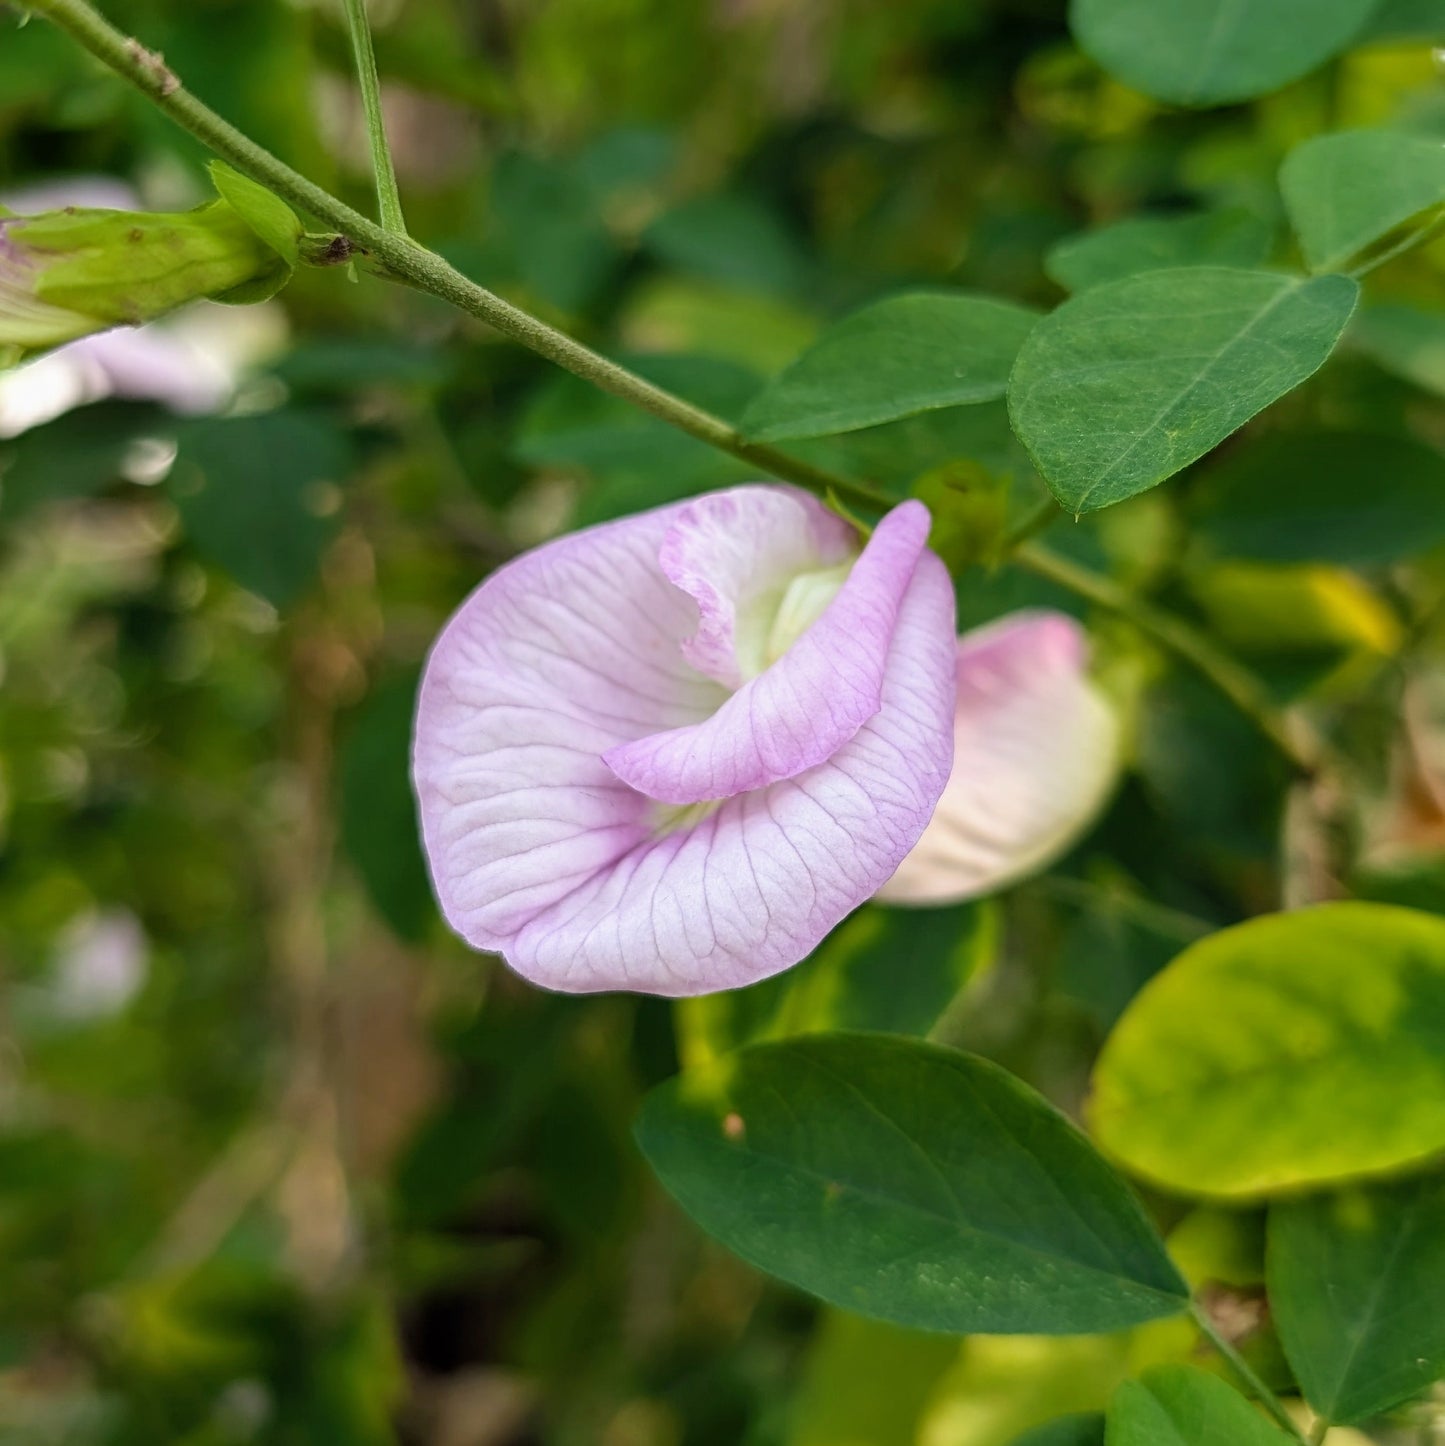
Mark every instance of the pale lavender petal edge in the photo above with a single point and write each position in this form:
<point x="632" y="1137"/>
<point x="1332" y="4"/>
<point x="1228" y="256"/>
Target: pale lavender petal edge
<point x="556" y="657"/>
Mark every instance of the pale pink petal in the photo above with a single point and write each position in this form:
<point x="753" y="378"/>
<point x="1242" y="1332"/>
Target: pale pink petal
<point x="556" y="658"/>
<point x="733" y="552"/>
<point x="756" y="884"/>
<point x="540" y="851"/>
<point x="808" y="703"/>
<point x="190" y="361"/>
<point x="1036" y="752"/>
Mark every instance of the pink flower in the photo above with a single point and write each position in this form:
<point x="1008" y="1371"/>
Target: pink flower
<point x="670" y="753"/>
<point x="1036" y="752"/>
<point x="190" y="361"/>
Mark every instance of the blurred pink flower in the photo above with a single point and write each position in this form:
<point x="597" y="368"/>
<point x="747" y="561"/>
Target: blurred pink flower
<point x="100" y="965"/>
<point x="189" y="362"/>
<point x="670" y="753"/>
<point x="1036" y="753"/>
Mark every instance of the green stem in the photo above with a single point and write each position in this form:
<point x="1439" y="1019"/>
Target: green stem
<point x="387" y="196"/>
<point x="1407" y="243"/>
<point x="1048" y="511"/>
<point x="403" y="260"/>
<point x="1319" y="1431"/>
<point x="1304" y="749"/>
<point x="1251" y="1382"/>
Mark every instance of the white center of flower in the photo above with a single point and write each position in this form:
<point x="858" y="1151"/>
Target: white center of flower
<point x="775" y="619"/>
<point x="763" y="631"/>
<point x="804" y="602"/>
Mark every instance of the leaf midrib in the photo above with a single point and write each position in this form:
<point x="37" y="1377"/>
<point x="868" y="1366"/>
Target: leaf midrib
<point x="1181" y="397"/>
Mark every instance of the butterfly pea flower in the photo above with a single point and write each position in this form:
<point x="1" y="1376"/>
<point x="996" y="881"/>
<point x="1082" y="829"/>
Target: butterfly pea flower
<point x="190" y="361"/>
<point x="1036" y="754"/>
<point x="68" y="273"/>
<point x="670" y="753"/>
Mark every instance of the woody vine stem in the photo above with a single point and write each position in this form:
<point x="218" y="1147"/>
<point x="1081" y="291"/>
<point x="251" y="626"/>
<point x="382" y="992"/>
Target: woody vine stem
<point x="391" y="253"/>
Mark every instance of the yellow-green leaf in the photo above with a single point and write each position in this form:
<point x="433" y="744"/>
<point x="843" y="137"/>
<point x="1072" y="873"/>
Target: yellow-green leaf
<point x="1291" y="1050"/>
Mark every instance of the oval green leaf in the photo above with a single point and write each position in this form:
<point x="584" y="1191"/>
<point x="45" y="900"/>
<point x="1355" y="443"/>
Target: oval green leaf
<point x="1345" y="191"/>
<point x="1184" y="1406"/>
<point x="1154" y="243"/>
<point x="1213" y="52"/>
<point x="1406" y="341"/>
<point x="1406" y="20"/>
<point x="1348" y="497"/>
<point x="1355" y="1285"/>
<point x="1291" y="1050"/>
<point x="1129" y="382"/>
<point x="908" y="1183"/>
<point x="898" y="357"/>
<point x="247" y="488"/>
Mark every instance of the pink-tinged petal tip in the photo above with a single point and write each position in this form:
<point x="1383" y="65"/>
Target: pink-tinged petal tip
<point x="1036" y="753"/>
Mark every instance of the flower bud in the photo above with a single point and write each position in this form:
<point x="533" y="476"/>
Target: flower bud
<point x="65" y="274"/>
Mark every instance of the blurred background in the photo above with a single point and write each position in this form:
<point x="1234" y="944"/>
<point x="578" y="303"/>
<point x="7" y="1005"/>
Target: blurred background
<point x="282" y="1162"/>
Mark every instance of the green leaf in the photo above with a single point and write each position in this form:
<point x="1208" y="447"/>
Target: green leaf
<point x="1290" y="1050"/>
<point x="341" y="366"/>
<point x="891" y="970"/>
<point x="378" y="814"/>
<point x="544" y="226"/>
<point x="1345" y="191"/>
<point x="1085" y="1429"/>
<point x="1406" y="341"/>
<point x="254" y="496"/>
<point x="1406" y="20"/>
<point x="1112" y="947"/>
<point x="1184" y="1406"/>
<point x="1232" y="237"/>
<point x="730" y="240"/>
<point x="1129" y="382"/>
<point x="1213" y="52"/>
<point x="75" y="455"/>
<point x="897" y="357"/>
<point x="1346" y="497"/>
<point x="635" y="460"/>
<point x="266" y="214"/>
<point x="908" y="1183"/>
<point x="1355" y="1286"/>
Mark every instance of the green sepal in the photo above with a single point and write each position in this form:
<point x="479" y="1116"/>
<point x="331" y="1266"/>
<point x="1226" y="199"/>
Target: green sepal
<point x="125" y="268"/>
<point x="266" y="214"/>
<point x="970" y="512"/>
<point x="261" y="287"/>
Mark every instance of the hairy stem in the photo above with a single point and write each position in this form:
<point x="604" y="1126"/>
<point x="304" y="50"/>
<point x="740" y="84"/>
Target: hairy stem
<point x="403" y="260"/>
<point x="388" y="198"/>
<point x="1246" y="1376"/>
<point x="1305" y="749"/>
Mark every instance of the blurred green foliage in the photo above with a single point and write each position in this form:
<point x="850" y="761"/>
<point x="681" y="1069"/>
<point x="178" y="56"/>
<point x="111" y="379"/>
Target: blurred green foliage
<point x="280" y="1161"/>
